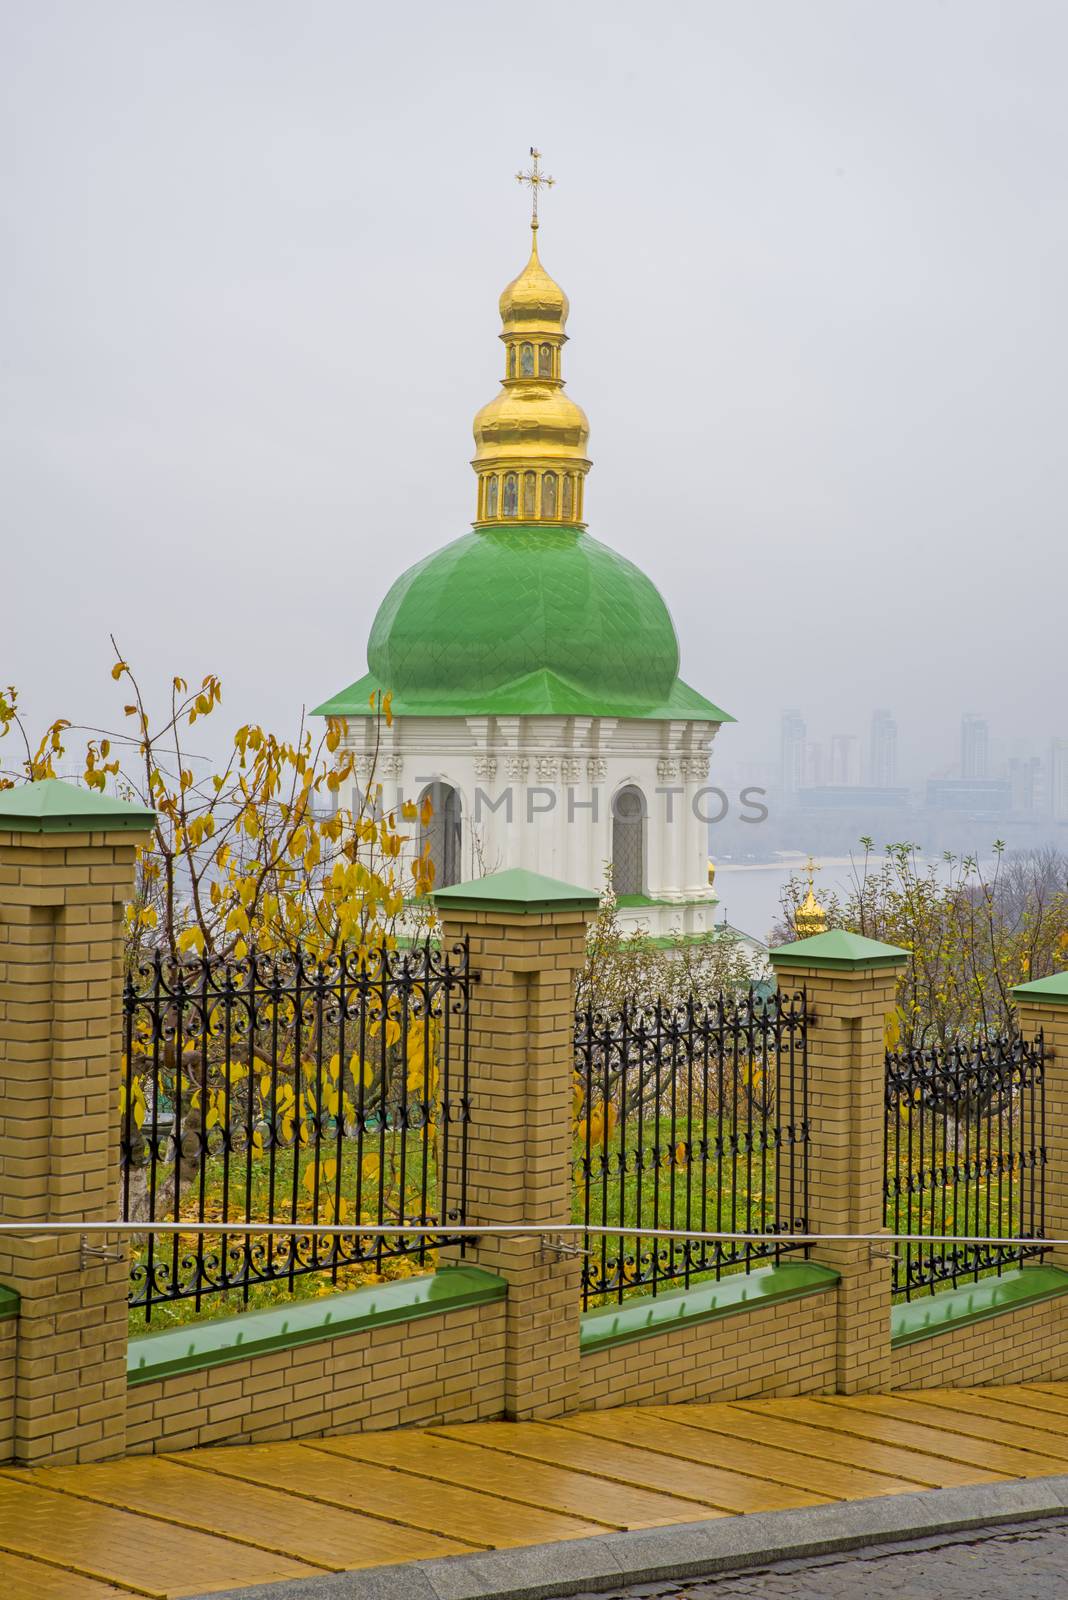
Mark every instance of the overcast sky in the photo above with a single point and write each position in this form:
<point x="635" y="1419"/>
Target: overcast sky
<point x="817" y="257"/>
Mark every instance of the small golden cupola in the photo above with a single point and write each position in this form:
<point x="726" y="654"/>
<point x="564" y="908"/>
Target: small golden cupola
<point x="530" y="441"/>
<point x="810" y="917"/>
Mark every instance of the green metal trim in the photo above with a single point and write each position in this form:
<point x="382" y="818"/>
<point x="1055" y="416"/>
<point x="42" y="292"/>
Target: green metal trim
<point x="648" y="1315"/>
<point x="1046" y="991"/>
<point x="51" y="806"/>
<point x="956" y="1308"/>
<point x="639" y="901"/>
<point x="518" y="891"/>
<point x="838" y="949"/>
<point x="257" y="1333"/>
<point x="9" y="1303"/>
<point x="542" y="693"/>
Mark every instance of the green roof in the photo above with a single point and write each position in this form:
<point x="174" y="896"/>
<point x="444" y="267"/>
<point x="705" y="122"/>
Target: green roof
<point x="515" y="890"/>
<point x="1054" y="991"/>
<point x="526" y="621"/>
<point x="837" y="948"/>
<point x="51" y="806"/>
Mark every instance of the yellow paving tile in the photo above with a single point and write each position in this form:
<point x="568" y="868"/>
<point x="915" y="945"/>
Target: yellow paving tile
<point x="720" y="1446"/>
<point x="1050" y="1427"/>
<point x="554" y="1488"/>
<point x="882" y="1462"/>
<point x="268" y="1519"/>
<point x="956" y="1419"/>
<point x="1037" y="1394"/>
<point x="21" y="1579"/>
<point x="478" y="1519"/>
<point x="229" y="1517"/>
<point x="718" y="1488"/>
<point x="1028" y="1402"/>
<point x="149" y="1557"/>
<point x="865" y="1423"/>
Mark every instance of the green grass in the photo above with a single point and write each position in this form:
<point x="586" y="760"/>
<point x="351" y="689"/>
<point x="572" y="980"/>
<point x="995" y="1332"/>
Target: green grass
<point x="735" y="1194"/>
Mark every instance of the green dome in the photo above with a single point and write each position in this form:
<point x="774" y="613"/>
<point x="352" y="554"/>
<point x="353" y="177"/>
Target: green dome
<point x="496" y="606"/>
<point x="524" y="620"/>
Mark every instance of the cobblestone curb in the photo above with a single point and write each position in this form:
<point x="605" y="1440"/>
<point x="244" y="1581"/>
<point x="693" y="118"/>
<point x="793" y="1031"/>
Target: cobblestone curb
<point x="691" y="1549"/>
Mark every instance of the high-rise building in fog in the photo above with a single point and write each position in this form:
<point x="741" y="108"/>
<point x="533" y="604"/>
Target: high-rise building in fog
<point x="845" y="762"/>
<point x="1025" y="782"/>
<point x="792" y="752"/>
<point x="974" y="746"/>
<point x="813" y="765"/>
<point x="1058" y="780"/>
<point x="882" y="772"/>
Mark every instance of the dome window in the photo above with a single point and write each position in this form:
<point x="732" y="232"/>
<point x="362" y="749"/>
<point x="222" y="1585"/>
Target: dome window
<point x="526" y="361"/>
<point x="568" y="491"/>
<point x="530" y="487"/>
<point x="511" y="494"/>
<point x="491" y="496"/>
<point x="545" y="361"/>
<point x="628" y="842"/>
<point x="548" y="495"/>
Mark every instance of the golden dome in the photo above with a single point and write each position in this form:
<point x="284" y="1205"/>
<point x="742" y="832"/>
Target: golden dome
<point x="533" y="302"/>
<point x="530" y="440"/>
<point x="535" y="416"/>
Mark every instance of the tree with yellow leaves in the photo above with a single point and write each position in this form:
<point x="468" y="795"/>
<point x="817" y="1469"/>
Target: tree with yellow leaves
<point x="266" y="852"/>
<point x="972" y="931"/>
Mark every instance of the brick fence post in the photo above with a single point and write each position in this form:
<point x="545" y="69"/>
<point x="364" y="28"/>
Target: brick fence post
<point x="1044" y="1004"/>
<point x="850" y="984"/>
<point x="527" y="939"/>
<point x="66" y="866"/>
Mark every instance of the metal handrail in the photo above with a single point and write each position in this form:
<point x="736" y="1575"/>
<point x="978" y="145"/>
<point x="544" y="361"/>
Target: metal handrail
<point x="507" y="1230"/>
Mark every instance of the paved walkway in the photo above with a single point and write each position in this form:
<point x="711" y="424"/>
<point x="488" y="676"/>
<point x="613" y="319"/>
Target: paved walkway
<point x="221" y="1518"/>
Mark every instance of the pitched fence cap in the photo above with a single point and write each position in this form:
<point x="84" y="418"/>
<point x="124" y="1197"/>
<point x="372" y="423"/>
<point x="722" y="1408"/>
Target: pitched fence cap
<point x="49" y="805"/>
<point x="1050" y="991"/>
<point x="515" y="890"/>
<point x="838" y="948"/>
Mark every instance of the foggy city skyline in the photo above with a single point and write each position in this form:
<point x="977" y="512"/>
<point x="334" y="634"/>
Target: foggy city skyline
<point x="250" y="309"/>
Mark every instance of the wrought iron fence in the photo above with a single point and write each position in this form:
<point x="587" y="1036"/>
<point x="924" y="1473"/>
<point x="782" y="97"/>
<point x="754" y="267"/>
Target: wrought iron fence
<point x="278" y="1089"/>
<point x="689" y="1117"/>
<point x="965" y="1153"/>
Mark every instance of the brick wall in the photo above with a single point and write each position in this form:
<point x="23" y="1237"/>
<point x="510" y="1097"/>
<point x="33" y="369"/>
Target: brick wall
<point x="61" y="900"/>
<point x="7" y="1388"/>
<point x="1025" y="1346"/>
<point x="781" y="1349"/>
<point x="447" y="1368"/>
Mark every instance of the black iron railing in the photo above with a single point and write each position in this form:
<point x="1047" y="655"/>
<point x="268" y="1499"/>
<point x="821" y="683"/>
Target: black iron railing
<point x="689" y="1117"/>
<point x="285" y="1090"/>
<point x="965" y="1153"/>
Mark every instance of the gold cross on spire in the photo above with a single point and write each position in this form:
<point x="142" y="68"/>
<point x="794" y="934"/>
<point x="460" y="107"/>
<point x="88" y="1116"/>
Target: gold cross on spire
<point x="537" y="180"/>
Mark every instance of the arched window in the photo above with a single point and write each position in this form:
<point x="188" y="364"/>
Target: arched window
<point x="526" y="361"/>
<point x="511" y="360"/>
<point x="491" y="496"/>
<point x="568" y="492"/>
<point x="530" y="485"/>
<point x="511" y="494"/>
<point x="545" y="361"/>
<point x="442" y="832"/>
<point x="628" y="841"/>
<point x="548" y="495"/>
